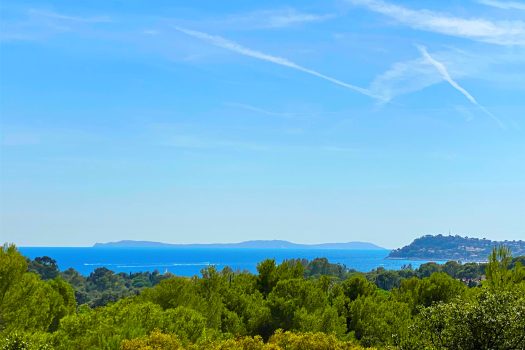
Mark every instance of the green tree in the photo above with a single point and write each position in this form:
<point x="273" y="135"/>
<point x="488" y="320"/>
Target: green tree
<point x="309" y="341"/>
<point x="387" y="279"/>
<point x="186" y="323"/>
<point x="156" y="340"/>
<point x="291" y="295"/>
<point x="492" y="320"/>
<point x="174" y="292"/>
<point x="26" y="302"/>
<point x="427" y="269"/>
<point x="378" y="320"/>
<point x="12" y="267"/>
<point x="499" y="274"/>
<point x="439" y="287"/>
<point x="267" y="276"/>
<point x="45" y="266"/>
<point x="65" y="302"/>
<point x="356" y="286"/>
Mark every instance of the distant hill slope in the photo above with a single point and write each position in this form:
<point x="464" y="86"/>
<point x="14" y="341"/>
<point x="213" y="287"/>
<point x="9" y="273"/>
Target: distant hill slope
<point x="453" y="248"/>
<point x="273" y="244"/>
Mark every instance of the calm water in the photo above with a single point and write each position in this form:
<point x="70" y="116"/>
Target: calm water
<point x="189" y="261"/>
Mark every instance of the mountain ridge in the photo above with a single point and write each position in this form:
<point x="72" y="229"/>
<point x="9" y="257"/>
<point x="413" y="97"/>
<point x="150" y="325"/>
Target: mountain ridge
<point x="267" y="244"/>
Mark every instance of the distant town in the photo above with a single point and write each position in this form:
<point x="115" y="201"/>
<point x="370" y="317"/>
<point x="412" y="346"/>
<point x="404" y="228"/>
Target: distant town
<point x="440" y="247"/>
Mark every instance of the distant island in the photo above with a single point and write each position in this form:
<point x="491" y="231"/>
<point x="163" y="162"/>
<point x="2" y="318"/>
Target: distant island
<point x="458" y="248"/>
<point x="261" y="244"/>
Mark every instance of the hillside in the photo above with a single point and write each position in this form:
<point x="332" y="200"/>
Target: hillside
<point x="453" y="248"/>
<point x="259" y="244"/>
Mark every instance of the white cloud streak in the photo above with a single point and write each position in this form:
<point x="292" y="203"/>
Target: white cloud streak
<point x="36" y="24"/>
<point x="69" y="18"/>
<point x="404" y="78"/>
<point x="478" y="29"/>
<point x="504" y="5"/>
<point x="442" y="70"/>
<point x="440" y="67"/>
<point x="260" y="110"/>
<point x="412" y="75"/>
<point x="290" y="18"/>
<point x="237" y="48"/>
<point x="270" y="19"/>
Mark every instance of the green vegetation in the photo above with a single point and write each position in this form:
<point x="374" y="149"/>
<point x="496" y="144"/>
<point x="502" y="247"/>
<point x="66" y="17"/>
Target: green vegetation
<point x="100" y="287"/>
<point x="453" y="248"/>
<point x="292" y="305"/>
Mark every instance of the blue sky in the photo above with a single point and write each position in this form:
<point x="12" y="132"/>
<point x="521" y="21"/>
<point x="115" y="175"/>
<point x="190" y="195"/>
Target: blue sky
<point x="223" y="121"/>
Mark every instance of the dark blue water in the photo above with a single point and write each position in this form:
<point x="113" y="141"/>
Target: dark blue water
<point x="189" y="261"/>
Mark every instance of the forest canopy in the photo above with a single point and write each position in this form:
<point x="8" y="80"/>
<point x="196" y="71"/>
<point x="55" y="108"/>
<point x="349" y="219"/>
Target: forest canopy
<point x="296" y="304"/>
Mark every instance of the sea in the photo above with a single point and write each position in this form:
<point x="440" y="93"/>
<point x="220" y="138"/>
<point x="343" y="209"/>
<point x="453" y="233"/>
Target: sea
<point x="190" y="261"/>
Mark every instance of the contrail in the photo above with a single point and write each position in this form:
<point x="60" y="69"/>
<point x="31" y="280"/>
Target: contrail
<point x="440" y="67"/>
<point x="233" y="46"/>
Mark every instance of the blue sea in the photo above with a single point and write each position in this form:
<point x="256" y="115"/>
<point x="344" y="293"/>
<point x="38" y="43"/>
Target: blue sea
<point x="190" y="261"/>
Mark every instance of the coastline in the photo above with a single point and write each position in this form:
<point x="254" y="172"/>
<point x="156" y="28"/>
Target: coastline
<point x="434" y="259"/>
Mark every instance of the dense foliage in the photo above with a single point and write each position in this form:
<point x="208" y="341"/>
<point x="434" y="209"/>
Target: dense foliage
<point x="292" y="305"/>
<point x="101" y="286"/>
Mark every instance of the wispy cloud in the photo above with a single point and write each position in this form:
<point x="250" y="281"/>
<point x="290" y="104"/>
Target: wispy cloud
<point x="292" y="17"/>
<point x="279" y="18"/>
<point x="260" y="110"/>
<point x="201" y="143"/>
<point x="501" y="33"/>
<point x="35" y="24"/>
<point x="69" y="18"/>
<point x="442" y="70"/>
<point x="404" y="78"/>
<point x="237" y="48"/>
<point x="504" y="5"/>
<point x="152" y="32"/>
<point x="195" y="142"/>
<point x="465" y="113"/>
<point x="495" y="68"/>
